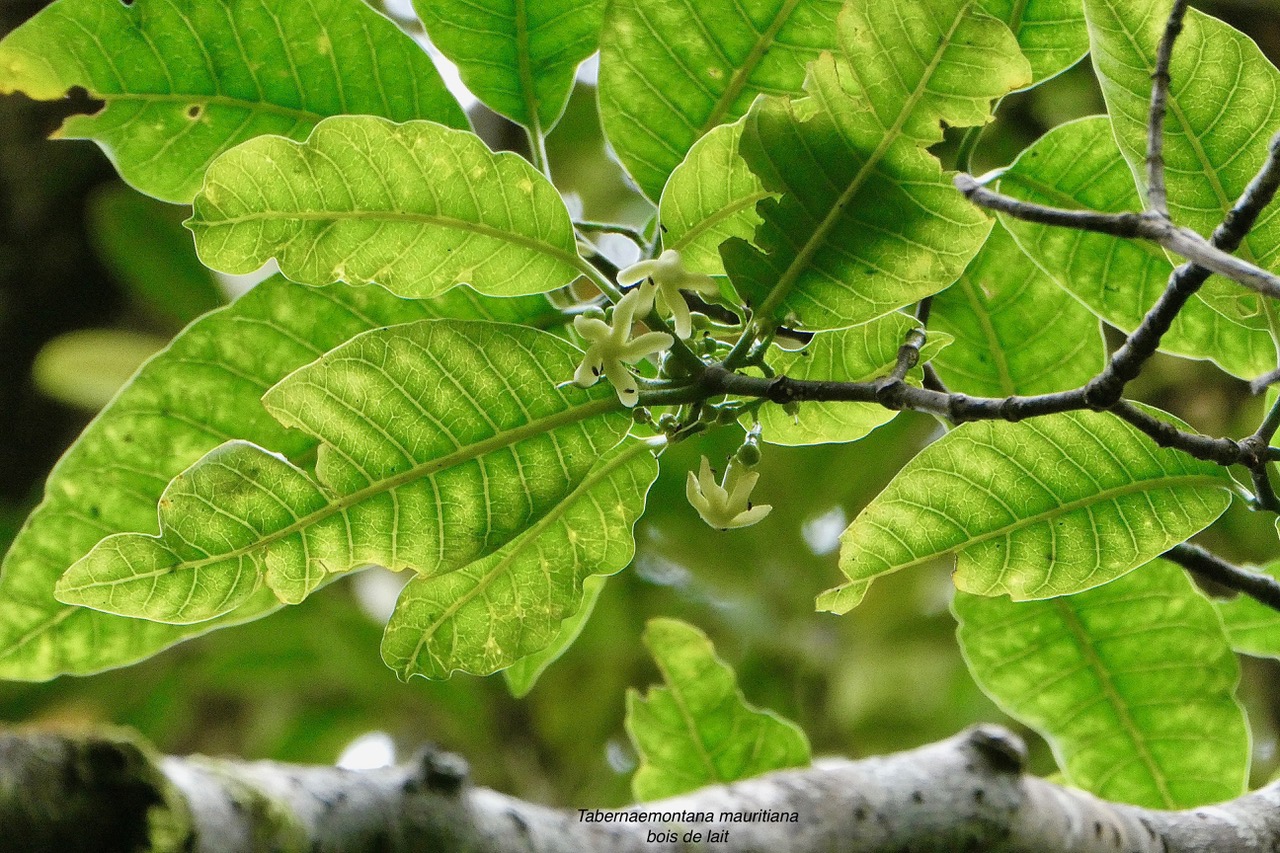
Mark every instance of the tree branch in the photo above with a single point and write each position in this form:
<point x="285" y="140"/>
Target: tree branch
<point x="969" y="792"/>
<point x="1261" y="588"/>
<point x="1157" y="201"/>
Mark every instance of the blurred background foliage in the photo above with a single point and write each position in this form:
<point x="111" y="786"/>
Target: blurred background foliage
<point x="94" y="277"/>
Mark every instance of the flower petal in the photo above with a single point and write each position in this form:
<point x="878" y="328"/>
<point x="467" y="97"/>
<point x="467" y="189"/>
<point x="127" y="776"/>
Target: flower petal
<point x="592" y="328"/>
<point x="647" y="344"/>
<point x="623" y="382"/>
<point x="751" y="516"/>
<point x="638" y="271"/>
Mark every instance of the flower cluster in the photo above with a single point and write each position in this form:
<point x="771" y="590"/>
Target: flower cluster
<point x="610" y="348"/>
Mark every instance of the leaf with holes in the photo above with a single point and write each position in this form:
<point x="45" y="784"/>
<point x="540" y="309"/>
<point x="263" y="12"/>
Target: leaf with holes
<point x="1034" y="509"/>
<point x="184" y="81"/>
<point x="867" y="222"/>
<point x="517" y="56"/>
<point x="996" y="352"/>
<point x="203" y="389"/>
<point x="699" y="730"/>
<point x="710" y="198"/>
<point x="487" y="615"/>
<point x="1077" y="165"/>
<point x="417" y="208"/>
<point x="672" y="70"/>
<point x="440" y="441"/>
<point x="1051" y="33"/>
<point x="1132" y="683"/>
<point x="860" y="354"/>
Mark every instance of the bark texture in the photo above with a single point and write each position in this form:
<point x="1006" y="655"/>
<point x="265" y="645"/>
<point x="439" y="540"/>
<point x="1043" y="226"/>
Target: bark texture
<point x="968" y="793"/>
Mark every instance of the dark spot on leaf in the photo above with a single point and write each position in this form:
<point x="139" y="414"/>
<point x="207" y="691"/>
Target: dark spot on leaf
<point x="194" y="111"/>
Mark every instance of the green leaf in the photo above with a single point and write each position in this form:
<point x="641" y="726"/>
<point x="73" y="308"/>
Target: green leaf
<point x="522" y="675"/>
<point x="671" y="70"/>
<point x="185" y="81"/>
<point x="860" y="354"/>
<point x="1252" y="627"/>
<point x="202" y="390"/>
<point x="1077" y="165"/>
<point x="441" y="440"/>
<point x="997" y="351"/>
<point x="510" y="604"/>
<point x="1132" y="683"/>
<point x="699" y="730"/>
<point x="1042" y="507"/>
<point x="147" y="250"/>
<point x="867" y="221"/>
<point x="1223" y="107"/>
<point x="517" y="56"/>
<point x="710" y="197"/>
<point x="417" y="208"/>
<point x="1051" y="33"/>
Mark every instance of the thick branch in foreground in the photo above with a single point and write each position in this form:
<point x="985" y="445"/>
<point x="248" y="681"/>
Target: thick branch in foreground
<point x="967" y="793"/>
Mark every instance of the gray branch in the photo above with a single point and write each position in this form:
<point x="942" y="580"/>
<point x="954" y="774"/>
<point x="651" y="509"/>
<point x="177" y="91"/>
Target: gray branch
<point x="969" y="792"/>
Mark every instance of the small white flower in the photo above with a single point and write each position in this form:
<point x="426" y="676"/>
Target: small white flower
<point x="610" y="348"/>
<point x="669" y="277"/>
<point x="729" y="505"/>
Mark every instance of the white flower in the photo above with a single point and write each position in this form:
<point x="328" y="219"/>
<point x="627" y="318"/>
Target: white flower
<point x="669" y="277"/>
<point x="729" y="505"/>
<point x="611" y="347"/>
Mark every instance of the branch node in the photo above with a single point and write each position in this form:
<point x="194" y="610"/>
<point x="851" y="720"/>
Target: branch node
<point x="1103" y="391"/>
<point x="442" y="772"/>
<point x="1001" y="748"/>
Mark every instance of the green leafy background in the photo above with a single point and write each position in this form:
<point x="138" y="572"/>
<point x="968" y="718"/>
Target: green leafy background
<point x="302" y="684"/>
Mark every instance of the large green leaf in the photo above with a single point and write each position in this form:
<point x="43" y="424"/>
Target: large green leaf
<point x="671" y="70"/>
<point x="1077" y="165"/>
<point x="1016" y="331"/>
<point x="1051" y="33"/>
<point x="1252" y="627"/>
<point x="1224" y="104"/>
<point x="710" y="197"/>
<point x="184" y="80"/>
<point x="202" y="390"/>
<point x="487" y="615"/>
<point x="860" y="354"/>
<point x="440" y="441"/>
<point x="1042" y="507"/>
<point x="867" y="221"/>
<point x="517" y="56"/>
<point x="1132" y="684"/>
<point x="699" y="730"/>
<point x="417" y="208"/>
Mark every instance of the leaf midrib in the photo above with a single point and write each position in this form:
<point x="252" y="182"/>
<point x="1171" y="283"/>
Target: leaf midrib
<point x="295" y="113"/>
<point x="890" y="138"/>
<point x="994" y="345"/>
<point x="1103" y="675"/>
<point x="1061" y="509"/>
<point x="724" y="213"/>
<point x="518" y="547"/>
<point x="747" y="67"/>
<point x="441" y="220"/>
<point x="506" y="438"/>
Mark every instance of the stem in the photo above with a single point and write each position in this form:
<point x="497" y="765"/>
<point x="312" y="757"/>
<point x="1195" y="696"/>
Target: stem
<point x="1157" y="200"/>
